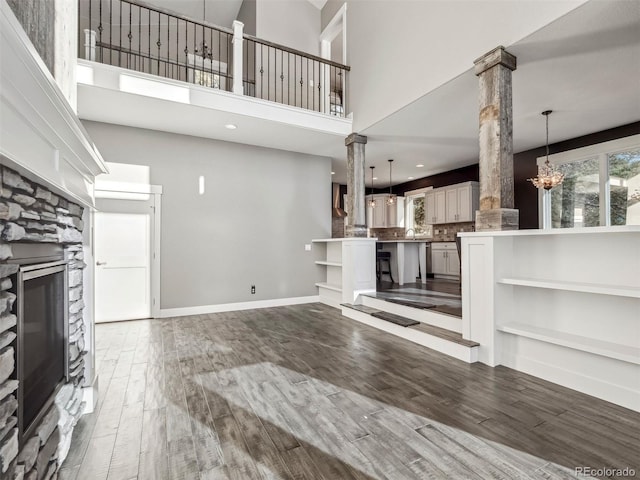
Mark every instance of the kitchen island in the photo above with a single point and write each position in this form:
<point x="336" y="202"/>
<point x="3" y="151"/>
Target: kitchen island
<point x="406" y="256"/>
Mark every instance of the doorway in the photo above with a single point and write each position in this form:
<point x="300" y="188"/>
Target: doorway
<point x="125" y="246"/>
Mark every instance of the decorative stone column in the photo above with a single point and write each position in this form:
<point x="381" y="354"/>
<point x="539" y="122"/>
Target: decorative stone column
<point x="496" y="141"/>
<point x="356" y="222"/>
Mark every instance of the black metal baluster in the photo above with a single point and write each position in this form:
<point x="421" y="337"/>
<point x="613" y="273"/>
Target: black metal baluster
<point x="261" y="71"/>
<point x="100" y="28"/>
<point x="110" y="32"/>
<point x="281" y="76"/>
<point x="130" y="37"/>
<point x="90" y="30"/>
<point x="186" y="51"/>
<point x="120" y="36"/>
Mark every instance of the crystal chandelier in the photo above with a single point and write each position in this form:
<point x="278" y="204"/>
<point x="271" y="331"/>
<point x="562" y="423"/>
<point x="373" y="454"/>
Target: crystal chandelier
<point x="391" y="199"/>
<point x="548" y="177"/>
<point x="204" y="49"/>
<point x="372" y="200"/>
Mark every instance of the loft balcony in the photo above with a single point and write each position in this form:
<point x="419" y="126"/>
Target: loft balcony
<point x="128" y="47"/>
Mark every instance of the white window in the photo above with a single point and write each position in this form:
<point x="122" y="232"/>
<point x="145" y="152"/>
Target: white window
<point x="415" y="215"/>
<point x="601" y="186"/>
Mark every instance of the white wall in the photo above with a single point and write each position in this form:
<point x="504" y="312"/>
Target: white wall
<point x="292" y="23"/>
<point x="400" y="50"/>
<point x="259" y="209"/>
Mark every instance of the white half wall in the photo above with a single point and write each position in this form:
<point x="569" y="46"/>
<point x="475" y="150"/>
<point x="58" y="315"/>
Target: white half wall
<point x="249" y="226"/>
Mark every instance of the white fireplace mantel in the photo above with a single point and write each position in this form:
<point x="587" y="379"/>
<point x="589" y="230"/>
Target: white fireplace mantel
<point x="40" y="134"/>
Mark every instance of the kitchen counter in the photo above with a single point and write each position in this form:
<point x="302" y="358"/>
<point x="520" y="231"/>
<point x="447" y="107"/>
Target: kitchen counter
<point x="406" y="256"/>
<point x="407" y="240"/>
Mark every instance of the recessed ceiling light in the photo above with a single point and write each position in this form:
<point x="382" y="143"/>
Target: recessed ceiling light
<point x="420" y="165"/>
<point x="410" y="178"/>
<point x="230" y="126"/>
<point x="333" y="173"/>
<point x="375" y="178"/>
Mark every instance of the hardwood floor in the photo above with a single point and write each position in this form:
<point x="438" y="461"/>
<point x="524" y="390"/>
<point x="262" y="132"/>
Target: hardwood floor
<point x="303" y="393"/>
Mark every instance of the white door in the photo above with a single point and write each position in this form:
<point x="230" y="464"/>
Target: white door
<point x="123" y="259"/>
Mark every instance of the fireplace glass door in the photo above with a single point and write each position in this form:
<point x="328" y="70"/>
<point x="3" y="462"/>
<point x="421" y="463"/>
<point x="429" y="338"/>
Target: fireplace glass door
<point x="43" y="340"/>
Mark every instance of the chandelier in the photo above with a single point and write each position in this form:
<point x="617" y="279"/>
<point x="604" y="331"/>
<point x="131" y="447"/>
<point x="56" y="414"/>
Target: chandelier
<point x="391" y="199"/>
<point x="372" y="200"/>
<point x="548" y="176"/>
<point x="204" y="49"/>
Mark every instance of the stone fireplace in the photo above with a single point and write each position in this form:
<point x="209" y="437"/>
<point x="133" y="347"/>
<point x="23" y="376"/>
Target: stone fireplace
<point x="41" y="327"/>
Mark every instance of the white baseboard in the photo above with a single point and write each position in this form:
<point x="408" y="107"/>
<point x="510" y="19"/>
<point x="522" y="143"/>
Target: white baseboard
<point x="596" y="387"/>
<point x="231" y="307"/>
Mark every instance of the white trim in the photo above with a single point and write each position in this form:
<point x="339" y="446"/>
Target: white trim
<point x="418" y="191"/>
<point x="155" y="253"/>
<point x="577" y="154"/>
<point x="122" y="187"/>
<point x="336" y="25"/>
<point x="232" y="307"/>
<point x="599" y="151"/>
<point x="154" y="264"/>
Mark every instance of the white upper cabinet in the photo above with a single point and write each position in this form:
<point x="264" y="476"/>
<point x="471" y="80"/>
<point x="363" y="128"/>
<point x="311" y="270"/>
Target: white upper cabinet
<point x="452" y="204"/>
<point x="383" y="215"/>
<point x="462" y="202"/>
<point x="435" y="208"/>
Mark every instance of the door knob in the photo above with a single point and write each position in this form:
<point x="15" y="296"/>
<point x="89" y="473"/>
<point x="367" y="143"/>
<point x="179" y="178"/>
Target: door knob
<point x="101" y="263"/>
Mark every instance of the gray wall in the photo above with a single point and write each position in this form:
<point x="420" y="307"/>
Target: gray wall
<point x="292" y="23"/>
<point x="247" y="15"/>
<point x="259" y="209"/>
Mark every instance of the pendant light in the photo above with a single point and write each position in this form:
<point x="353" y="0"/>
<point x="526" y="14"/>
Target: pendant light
<point x="548" y="177"/>
<point x="372" y="200"/>
<point x="391" y="199"/>
<point x="204" y="49"/>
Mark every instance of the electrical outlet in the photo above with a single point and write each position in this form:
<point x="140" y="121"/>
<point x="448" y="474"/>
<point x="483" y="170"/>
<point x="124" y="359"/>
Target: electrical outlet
<point x="307" y="247"/>
<point x="253" y="289"/>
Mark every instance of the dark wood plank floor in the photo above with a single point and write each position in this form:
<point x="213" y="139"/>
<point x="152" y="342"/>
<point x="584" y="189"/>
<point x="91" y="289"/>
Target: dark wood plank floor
<point x="303" y="393"/>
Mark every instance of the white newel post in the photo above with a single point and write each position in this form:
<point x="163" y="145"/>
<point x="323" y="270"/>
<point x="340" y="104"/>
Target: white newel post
<point x="325" y="52"/>
<point x="237" y="57"/>
<point x="90" y="44"/>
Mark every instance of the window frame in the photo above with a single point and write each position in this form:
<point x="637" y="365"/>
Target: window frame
<point x="408" y="196"/>
<point x="599" y="150"/>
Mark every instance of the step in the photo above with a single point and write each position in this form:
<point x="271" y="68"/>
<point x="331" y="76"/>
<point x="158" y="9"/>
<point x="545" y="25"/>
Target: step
<point x="436" y="338"/>
<point x="422" y="315"/>
<point x="389" y="317"/>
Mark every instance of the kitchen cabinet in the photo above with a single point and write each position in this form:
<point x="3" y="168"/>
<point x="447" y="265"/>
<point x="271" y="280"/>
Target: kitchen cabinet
<point x="383" y="215"/>
<point x="435" y="206"/>
<point x="462" y="201"/>
<point x="444" y="259"/>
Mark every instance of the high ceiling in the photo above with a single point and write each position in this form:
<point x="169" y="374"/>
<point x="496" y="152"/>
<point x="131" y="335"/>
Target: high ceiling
<point x="584" y="66"/>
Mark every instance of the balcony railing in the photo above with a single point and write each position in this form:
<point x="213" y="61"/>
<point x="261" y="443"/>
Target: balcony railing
<point x="137" y="36"/>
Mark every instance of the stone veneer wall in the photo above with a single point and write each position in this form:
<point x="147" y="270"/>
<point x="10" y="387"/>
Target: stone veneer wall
<point x="30" y="213"/>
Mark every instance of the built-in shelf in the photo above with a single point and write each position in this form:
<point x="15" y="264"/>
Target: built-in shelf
<point x="329" y="264"/>
<point x="329" y="286"/>
<point x="591" y="345"/>
<point x="602" y="289"/>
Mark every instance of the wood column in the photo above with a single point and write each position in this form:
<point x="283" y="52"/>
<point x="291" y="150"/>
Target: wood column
<point x="496" y="141"/>
<point x="356" y="222"/>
